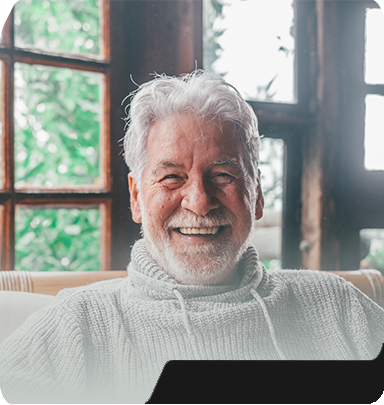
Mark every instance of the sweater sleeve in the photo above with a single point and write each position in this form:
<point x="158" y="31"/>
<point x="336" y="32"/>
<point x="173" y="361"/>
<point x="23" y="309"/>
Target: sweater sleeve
<point x="36" y="359"/>
<point x="364" y="324"/>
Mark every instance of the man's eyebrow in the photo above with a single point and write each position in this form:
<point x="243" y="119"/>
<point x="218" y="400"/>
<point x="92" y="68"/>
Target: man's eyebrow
<point x="228" y="162"/>
<point x="165" y="164"/>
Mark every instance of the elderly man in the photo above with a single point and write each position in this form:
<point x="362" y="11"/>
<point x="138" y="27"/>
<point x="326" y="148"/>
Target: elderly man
<point x="195" y="288"/>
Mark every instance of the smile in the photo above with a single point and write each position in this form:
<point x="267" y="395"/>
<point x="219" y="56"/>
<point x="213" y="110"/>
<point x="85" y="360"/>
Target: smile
<point x="200" y="231"/>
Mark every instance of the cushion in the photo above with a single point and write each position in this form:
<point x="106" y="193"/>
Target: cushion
<point x="16" y="307"/>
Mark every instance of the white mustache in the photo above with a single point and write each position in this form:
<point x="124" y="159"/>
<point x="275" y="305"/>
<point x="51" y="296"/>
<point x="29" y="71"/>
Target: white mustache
<point x="190" y="220"/>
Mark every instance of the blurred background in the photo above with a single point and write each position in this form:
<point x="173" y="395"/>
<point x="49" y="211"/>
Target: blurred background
<point x="312" y="70"/>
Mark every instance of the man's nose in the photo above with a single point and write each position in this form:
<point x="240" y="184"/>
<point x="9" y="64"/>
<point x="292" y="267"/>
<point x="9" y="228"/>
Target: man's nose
<point x="198" y="198"/>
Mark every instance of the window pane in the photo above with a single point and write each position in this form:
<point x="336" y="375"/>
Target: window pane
<point x="251" y="44"/>
<point x="57" y="126"/>
<point x="70" y="26"/>
<point x="57" y="239"/>
<point x="374" y="46"/>
<point x="374" y="132"/>
<point x="372" y="249"/>
<point x="267" y="235"/>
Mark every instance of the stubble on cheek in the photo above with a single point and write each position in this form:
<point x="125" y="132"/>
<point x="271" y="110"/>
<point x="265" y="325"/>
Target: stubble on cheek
<point x="206" y="263"/>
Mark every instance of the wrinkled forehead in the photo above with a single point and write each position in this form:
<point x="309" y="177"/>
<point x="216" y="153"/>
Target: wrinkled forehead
<point x="213" y="142"/>
<point x="185" y="130"/>
<point x="194" y="128"/>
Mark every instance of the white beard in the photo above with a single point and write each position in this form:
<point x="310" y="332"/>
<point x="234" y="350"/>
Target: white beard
<point x="209" y="264"/>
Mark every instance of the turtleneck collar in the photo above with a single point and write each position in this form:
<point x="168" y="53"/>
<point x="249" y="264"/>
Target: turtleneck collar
<point x="144" y="272"/>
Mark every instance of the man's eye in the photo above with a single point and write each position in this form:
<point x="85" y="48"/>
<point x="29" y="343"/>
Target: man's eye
<point x="171" y="176"/>
<point x="171" y="180"/>
<point x="222" y="178"/>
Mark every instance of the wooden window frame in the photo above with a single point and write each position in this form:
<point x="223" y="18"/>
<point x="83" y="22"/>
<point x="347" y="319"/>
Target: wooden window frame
<point x="362" y="191"/>
<point x="328" y="195"/>
<point x="166" y="37"/>
<point x="291" y="123"/>
<point x="339" y="197"/>
<point x="60" y="197"/>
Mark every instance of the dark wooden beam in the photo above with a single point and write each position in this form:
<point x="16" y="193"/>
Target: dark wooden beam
<point x="126" y="61"/>
<point x="319" y="215"/>
<point x="173" y="35"/>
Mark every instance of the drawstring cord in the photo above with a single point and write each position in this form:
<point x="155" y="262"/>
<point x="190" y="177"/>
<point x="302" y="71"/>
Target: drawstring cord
<point x="269" y="322"/>
<point x="192" y="338"/>
<point x="186" y="324"/>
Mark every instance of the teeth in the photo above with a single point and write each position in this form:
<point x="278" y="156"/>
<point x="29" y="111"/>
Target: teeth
<point x="199" y="231"/>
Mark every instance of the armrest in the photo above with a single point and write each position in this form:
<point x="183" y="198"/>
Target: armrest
<point x="51" y="282"/>
<point x="16" y="307"/>
<point x="369" y="281"/>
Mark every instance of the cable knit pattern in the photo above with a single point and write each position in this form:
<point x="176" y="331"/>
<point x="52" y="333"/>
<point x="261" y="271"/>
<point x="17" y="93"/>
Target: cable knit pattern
<point x="109" y="341"/>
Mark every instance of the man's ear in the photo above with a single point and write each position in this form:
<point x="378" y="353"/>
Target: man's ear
<point x="260" y="199"/>
<point x="135" y="204"/>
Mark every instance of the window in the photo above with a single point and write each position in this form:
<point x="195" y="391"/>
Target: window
<point x="261" y="61"/>
<point x="262" y="70"/>
<point x="332" y="188"/>
<point x="268" y="233"/>
<point x="374" y="132"/>
<point x="372" y="249"/>
<point x="371" y="234"/>
<point x="329" y="192"/>
<point x="374" y="79"/>
<point x="55" y="197"/>
<point x="357" y="178"/>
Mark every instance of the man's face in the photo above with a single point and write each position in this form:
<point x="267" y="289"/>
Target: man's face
<point x="197" y="203"/>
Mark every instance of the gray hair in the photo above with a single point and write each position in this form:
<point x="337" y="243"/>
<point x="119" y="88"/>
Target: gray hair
<point x="202" y="94"/>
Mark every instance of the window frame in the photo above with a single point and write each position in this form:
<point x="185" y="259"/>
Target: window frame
<point x="60" y="197"/>
<point x="362" y="191"/>
<point x="292" y="123"/>
<point x="166" y="36"/>
<point x="325" y="145"/>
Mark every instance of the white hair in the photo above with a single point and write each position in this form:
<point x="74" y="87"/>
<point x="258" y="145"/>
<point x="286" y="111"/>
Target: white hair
<point x="205" y="95"/>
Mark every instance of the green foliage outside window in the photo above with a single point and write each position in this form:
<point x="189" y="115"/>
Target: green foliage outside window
<point x="57" y="134"/>
<point x="376" y="259"/>
<point x="267" y="80"/>
<point x="58" y="25"/>
<point x="372" y="249"/>
<point x="57" y="129"/>
<point x="213" y="12"/>
<point x="57" y="239"/>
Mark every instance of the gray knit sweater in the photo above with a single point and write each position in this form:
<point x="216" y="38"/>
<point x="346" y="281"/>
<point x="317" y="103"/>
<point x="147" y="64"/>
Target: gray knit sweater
<point x="108" y="342"/>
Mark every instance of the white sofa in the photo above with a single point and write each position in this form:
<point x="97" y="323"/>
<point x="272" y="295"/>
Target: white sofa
<point x="16" y="307"/>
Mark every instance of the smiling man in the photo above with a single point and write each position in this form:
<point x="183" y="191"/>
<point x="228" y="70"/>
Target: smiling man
<point x="199" y="195"/>
<point x="196" y="289"/>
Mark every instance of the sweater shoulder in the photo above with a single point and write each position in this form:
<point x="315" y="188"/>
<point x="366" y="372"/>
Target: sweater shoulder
<point x="86" y="300"/>
<point x="105" y="287"/>
<point x="305" y="284"/>
<point x="306" y="276"/>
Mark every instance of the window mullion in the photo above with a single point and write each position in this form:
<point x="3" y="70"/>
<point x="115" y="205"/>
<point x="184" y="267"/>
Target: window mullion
<point x="8" y="226"/>
<point x="375" y="89"/>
